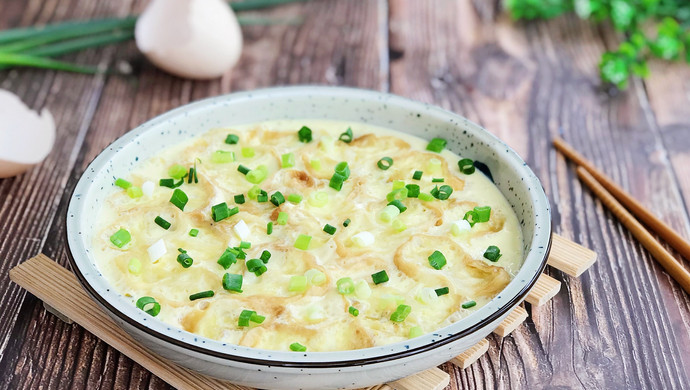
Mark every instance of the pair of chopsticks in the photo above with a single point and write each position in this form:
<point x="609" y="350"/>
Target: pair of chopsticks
<point x="611" y="195"/>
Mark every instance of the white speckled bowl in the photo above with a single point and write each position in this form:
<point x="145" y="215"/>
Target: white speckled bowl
<point x="310" y="370"/>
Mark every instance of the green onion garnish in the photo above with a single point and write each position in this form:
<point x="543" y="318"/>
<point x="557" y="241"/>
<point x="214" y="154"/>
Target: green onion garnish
<point x="343" y="169"/>
<point x="287" y="160"/>
<point x="122" y="183"/>
<point x="265" y="256"/>
<point x="297" y="347"/>
<point x="483" y="213"/>
<point x="262" y="197"/>
<point x="120" y="238"/>
<point x="436" y="145"/>
<point x="134" y="266"/>
<point x="399" y="225"/>
<point x="227" y="259"/>
<point x="248" y="152"/>
<point x="442" y="291"/>
<point x="398" y="184"/>
<point x="417" y="175"/>
<point x="295" y="198"/>
<point x="194" y="232"/>
<point x="397" y="203"/>
<point x="220" y="211"/>
<point x="401" y="313"/>
<point x="203" y="294"/>
<point x="245" y="244"/>
<point x="258" y="174"/>
<point x="277" y="198"/>
<point x="330" y="229"/>
<point x="385" y="163"/>
<point x="425" y="197"/>
<point x="282" y="218"/>
<point x="184" y="259"/>
<point x="162" y="222"/>
<point x="315" y="163"/>
<point x="336" y="181"/>
<point x="466" y="166"/>
<point x="346" y="136"/>
<point x="232" y="139"/>
<point x="170" y="183"/>
<point x="438" y="180"/>
<point x="298" y="283"/>
<point x="144" y="302"/>
<point x="492" y="253"/>
<point x="269" y="228"/>
<point x="135" y="192"/>
<point x="232" y="282"/>
<point x="315" y="277"/>
<point x="437" y="260"/>
<point x="190" y="177"/>
<point x="177" y="171"/>
<point x="345" y="285"/>
<point x="442" y="193"/>
<point x="400" y="193"/>
<point x="256" y="266"/>
<point x="389" y="213"/>
<point x="242" y="169"/>
<point x="380" y="277"/>
<point x="469" y="304"/>
<point x="179" y="198"/>
<point x="412" y="190"/>
<point x="346" y="222"/>
<point x="302" y="242"/>
<point x="304" y="134"/>
<point x="249" y="315"/>
<point x="353" y="310"/>
<point x="254" y="192"/>
<point x="222" y="157"/>
<point x="416" y="331"/>
<point x="239" y="199"/>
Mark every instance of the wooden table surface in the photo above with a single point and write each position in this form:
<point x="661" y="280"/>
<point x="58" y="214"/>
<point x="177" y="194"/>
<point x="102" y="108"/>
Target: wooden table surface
<point x="623" y="324"/>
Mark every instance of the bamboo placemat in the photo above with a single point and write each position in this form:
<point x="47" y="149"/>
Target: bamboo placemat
<point x="65" y="298"/>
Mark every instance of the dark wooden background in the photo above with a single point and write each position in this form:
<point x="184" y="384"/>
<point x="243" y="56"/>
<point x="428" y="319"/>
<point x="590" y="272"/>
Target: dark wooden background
<point x="623" y="324"/>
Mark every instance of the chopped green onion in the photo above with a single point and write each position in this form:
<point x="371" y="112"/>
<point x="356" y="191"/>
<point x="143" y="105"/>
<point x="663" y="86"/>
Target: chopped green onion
<point x="170" y="183"/>
<point x="227" y="259"/>
<point x="265" y="256"/>
<point x="315" y="163"/>
<point x="269" y="228"/>
<point x="438" y="180"/>
<point x="242" y="169"/>
<point x="304" y="134"/>
<point x="401" y="313"/>
<point x="245" y="244"/>
<point x="295" y="198"/>
<point x="232" y="282"/>
<point x="162" y="222"/>
<point x="262" y="197"/>
<point x="184" y="259"/>
<point x="425" y="197"/>
<point x="254" y="192"/>
<point x="469" y="304"/>
<point x="177" y="171"/>
<point x="362" y="289"/>
<point x="434" y="164"/>
<point x="437" y="260"/>
<point x="330" y="229"/>
<point x="134" y="266"/>
<point x="345" y="285"/>
<point x="232" y="139"/>
<point x="256" y="318"/>
<point x="237" y="251"/>
<point x="191" y="175"/>
<point x="397" y="203"/>
<point x="282" y="218"/>
<point x="442" y="291"/>
<point x="277" y="198"/>
<point x="194" y="232"/>
<point x="239" y="199"/>
<point x="336" y="181"/>
<point x="135" y="192"/>
<point x="302" y="242"/>
<point x="120" y="238"/>
<point x="384" y="163"/>
<point x="412" y="190"/>
<point x="297" y="347"/>
<point x="258" y="174"/>
<point x="442" y="193"/>
<point x="122" y="183"/>
<point x="249" y="315"/>
<point x="483" y="213"/>
<point x="343" y="169"/>
<point x="298" y="283"/>
<point x="179" y="198"/>
<point x="417" y="175"/>
<point x="222" y="157"/>
<point x="426" y="296"/>
<point x="200" y="295"/>
<point x="247" y="151"/>
<point x="318" y="199"/>
<point x="346" y="136"/>
<point x="287" y="160"/>
<point x="388" y="213"/>
<point x="466" y="166"/>
<point x="220" y="211"/>
<point x="436" y="145"/>
<point x="380" y="277"/>
<point x="416" y="331"/>
<point x="315" y="277"/>
<point x="256" y="266"/>
<point x="397" y="184"/>
<point x="399" y="225"/>
<point x="353" y="310"/>
<point x="346" y="222"/>
<point x="493" y="253"/>
<point x="144" y="302"/>
<point x="400" y="193"/>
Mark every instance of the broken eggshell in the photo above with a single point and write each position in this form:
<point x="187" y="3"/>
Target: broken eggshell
<point x="197" y="39"/>
<point x="26" y="137"/>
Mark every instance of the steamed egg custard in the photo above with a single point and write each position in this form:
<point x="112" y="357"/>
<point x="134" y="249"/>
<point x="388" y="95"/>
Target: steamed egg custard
<point x="307" y="235"/>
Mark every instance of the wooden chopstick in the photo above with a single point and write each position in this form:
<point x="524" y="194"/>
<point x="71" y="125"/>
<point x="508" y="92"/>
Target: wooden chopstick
<point x="655" y="224"/>
<point x="662" y="256"/>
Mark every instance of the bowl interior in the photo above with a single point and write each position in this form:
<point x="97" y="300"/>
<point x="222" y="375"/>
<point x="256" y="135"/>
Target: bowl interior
<point x="512" y="176"/>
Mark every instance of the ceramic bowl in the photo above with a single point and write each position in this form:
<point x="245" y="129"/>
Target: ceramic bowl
<point x="310" y="370"/>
